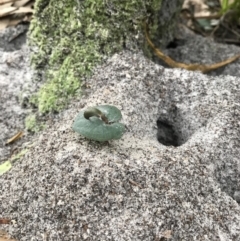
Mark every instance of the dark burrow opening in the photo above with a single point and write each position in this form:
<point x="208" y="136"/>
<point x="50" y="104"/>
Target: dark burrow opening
<point x="176" y="125"/>
<point x="175" y="130"/>
<point x="166" y="134"/>
<point x="170" y="133"/>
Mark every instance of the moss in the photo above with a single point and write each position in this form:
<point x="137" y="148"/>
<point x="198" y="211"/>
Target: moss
<point x="32" y="124"/>
<point x="73" y="36"/>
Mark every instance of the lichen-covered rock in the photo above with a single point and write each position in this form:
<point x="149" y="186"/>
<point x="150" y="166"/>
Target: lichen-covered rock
<point x="70" y="38"/>
<point x="69" y="188"/>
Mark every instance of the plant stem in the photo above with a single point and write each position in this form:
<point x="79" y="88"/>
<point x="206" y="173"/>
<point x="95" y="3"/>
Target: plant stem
<point x="95" y="112"/>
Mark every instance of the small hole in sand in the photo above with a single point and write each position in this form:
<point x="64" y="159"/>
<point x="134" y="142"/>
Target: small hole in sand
<point x="166" y="134"/>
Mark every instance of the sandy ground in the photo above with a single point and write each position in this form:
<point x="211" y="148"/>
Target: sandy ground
<point x="17" y="84"/>
<point x="15" y="88"/>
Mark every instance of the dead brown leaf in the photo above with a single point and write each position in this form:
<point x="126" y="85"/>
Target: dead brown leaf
<point x="7" y="1"/>
<point x="13" y="12"/>
<point x="135" y="183"/>
<point x="5" y="221"/>
<point x="6" y="11"/>
<point x="5" y="5"/>
<point x="23" y="10"/>
<point x="4" y="236"/>
<point x="167" y="234"/>
<point x="14" y="138"/>
<point x="21" y="3"/>
<point x="200" y="7"/>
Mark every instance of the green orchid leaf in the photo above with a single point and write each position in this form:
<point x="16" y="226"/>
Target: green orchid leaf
<point x="95" y="127"/>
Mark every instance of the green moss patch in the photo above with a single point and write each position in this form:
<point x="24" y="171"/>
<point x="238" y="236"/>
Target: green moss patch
<point x="32" y="124"/>
<point x="73" y="36"/>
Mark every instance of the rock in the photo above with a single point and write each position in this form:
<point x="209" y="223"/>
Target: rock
<point x="135" y="188"/>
